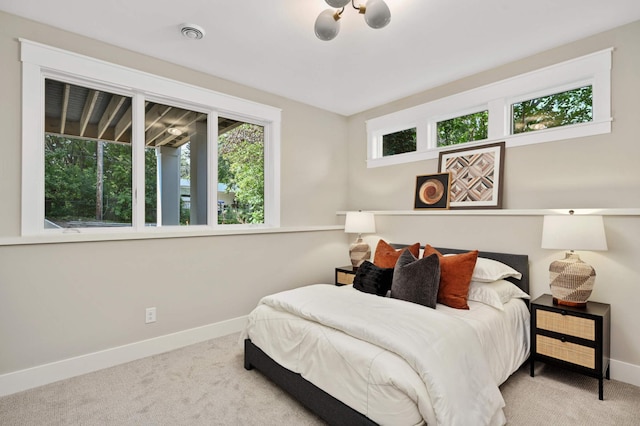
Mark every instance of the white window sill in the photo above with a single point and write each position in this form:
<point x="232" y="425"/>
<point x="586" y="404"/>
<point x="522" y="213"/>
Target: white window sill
<point x="77" y="237"/>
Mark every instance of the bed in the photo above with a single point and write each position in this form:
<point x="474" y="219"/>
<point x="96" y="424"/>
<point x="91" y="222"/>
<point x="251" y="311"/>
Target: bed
<point x="353" y="358"/>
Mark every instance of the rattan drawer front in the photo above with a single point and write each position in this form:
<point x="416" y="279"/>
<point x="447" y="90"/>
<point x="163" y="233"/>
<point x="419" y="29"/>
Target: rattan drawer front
<point x="583" y="328"/>
<point x="344" y="278"/>
<point x="566" y="351"/>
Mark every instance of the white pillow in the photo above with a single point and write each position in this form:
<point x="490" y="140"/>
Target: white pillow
<point x="496" y="293"/>
<point x="489" y="270"/>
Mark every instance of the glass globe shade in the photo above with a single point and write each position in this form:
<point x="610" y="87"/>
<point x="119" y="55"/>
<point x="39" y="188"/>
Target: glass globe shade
<point x="326" y="26"/>
<point x="377" y="14"/>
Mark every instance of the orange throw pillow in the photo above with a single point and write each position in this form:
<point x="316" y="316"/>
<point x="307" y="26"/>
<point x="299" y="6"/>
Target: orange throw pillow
<point x="455" y="277"/>
<point x="386" y="256"/>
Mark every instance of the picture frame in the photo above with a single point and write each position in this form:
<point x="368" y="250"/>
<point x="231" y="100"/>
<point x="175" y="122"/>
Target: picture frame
<point x="476" y="176"/>
<point x="432" y="191"/>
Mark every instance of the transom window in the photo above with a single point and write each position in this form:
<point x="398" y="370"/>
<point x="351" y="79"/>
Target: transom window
<point x="568" y="100"/>
<point x="559" y="109"/>
<point x="120" y="149"/>
<point x="399" y="142"/>
<point x="466" y="128"/>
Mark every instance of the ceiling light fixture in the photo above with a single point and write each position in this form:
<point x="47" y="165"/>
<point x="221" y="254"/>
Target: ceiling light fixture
<point x="192" y="31"/>
<point x="376" y="15"/>
<point x="174" y="131"/>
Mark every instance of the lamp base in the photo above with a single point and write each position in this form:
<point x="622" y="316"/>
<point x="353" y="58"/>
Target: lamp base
<point x="567" y="303"/>
<point x="571" y="281"/>
<point x="359" y="252"/>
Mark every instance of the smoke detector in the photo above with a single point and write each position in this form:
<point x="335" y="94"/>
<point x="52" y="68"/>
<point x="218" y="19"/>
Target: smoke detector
<point x="192" y="31"/>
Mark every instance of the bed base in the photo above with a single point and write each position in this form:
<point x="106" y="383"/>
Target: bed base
<point x="315" y="399"/>
<point x="321" y="403"/>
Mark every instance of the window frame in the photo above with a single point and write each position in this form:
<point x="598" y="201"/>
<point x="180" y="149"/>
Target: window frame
<point x="40" y="61"/>
<point x="593" y="69"/>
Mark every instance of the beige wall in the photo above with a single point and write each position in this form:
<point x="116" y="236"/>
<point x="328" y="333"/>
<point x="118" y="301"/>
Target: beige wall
<point x="63" y="300"/>
<point x="59" y="301"/>
<point x="594" y="172"/>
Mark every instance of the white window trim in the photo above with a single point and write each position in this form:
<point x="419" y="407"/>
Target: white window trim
<point x="39" y="60"/>
<point x="593" y="69"/>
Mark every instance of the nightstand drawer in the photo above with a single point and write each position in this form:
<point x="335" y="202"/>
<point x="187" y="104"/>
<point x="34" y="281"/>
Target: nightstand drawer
<point x="566" y="351"/>
<point x="344" y="278"/>
<point x="583" y="328"/>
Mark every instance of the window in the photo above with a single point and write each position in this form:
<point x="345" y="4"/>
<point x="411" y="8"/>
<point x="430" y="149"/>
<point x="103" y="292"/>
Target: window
<point x="175" y="165"/>
<point x="399" y="142"/>
<point x="560" y="109"/>
<point x="467" y="128"/>
<point x="117" y="149"/>
<point x="568" y="100"/>
<point x="241" y="173"/>
<point x="87" y="166"/>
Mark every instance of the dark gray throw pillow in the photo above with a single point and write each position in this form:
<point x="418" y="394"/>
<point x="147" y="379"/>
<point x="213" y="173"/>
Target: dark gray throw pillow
<point x="373" y="279"/>
<point x="416" y="280"/>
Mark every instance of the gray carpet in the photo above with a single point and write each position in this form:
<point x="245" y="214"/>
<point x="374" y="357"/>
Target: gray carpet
<point x="206" y="384"/>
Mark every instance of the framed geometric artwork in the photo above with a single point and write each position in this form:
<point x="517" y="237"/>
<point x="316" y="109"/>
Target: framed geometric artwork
<point x="432" y="191"/>
<point x="476" y="176"/>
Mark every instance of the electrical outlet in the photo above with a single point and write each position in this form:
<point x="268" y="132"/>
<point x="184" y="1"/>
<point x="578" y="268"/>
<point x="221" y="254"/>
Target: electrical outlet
<point x="150" y="315"/>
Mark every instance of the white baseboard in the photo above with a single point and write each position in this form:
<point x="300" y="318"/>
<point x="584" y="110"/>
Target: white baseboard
<point x="623" y="372"/>
<point x="48" y="373"/>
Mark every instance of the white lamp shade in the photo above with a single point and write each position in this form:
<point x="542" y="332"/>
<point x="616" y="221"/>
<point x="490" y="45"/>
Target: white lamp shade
<point x="337" y="3"/>
<point x="377" y="14"/>
<point x="359" y="223"/>
<point x="573" y="232"/>
<point x="326" y="26"/>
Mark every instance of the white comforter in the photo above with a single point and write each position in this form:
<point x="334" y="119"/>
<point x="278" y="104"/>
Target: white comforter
<point x="406" y="354"/>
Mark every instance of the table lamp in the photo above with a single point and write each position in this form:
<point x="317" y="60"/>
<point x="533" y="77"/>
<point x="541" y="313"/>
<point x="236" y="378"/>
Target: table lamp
<point x="359" y="223"/>
<point x="571" y="279"/>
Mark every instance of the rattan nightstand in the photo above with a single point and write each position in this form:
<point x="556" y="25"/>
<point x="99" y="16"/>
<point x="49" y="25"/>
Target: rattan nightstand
<point x="345" y="275"/>
<point x="575" y="338"/>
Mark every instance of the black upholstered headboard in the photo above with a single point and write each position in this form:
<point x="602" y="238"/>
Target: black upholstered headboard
<point x="519" y="262"/>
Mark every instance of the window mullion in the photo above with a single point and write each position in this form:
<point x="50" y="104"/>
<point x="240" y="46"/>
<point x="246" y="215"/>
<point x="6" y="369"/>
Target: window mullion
<point x="499" y="118"/>
<point x="212" y="169"/>
<point x="423" y="136"/>
<point x="432" y="134"/>
<point x="138" y="161"/>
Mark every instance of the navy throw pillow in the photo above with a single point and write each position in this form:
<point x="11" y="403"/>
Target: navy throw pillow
<point x="373" y="279"/>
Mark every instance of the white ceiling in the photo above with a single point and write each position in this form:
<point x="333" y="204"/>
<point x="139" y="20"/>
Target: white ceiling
<point x="270" y="44"/>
